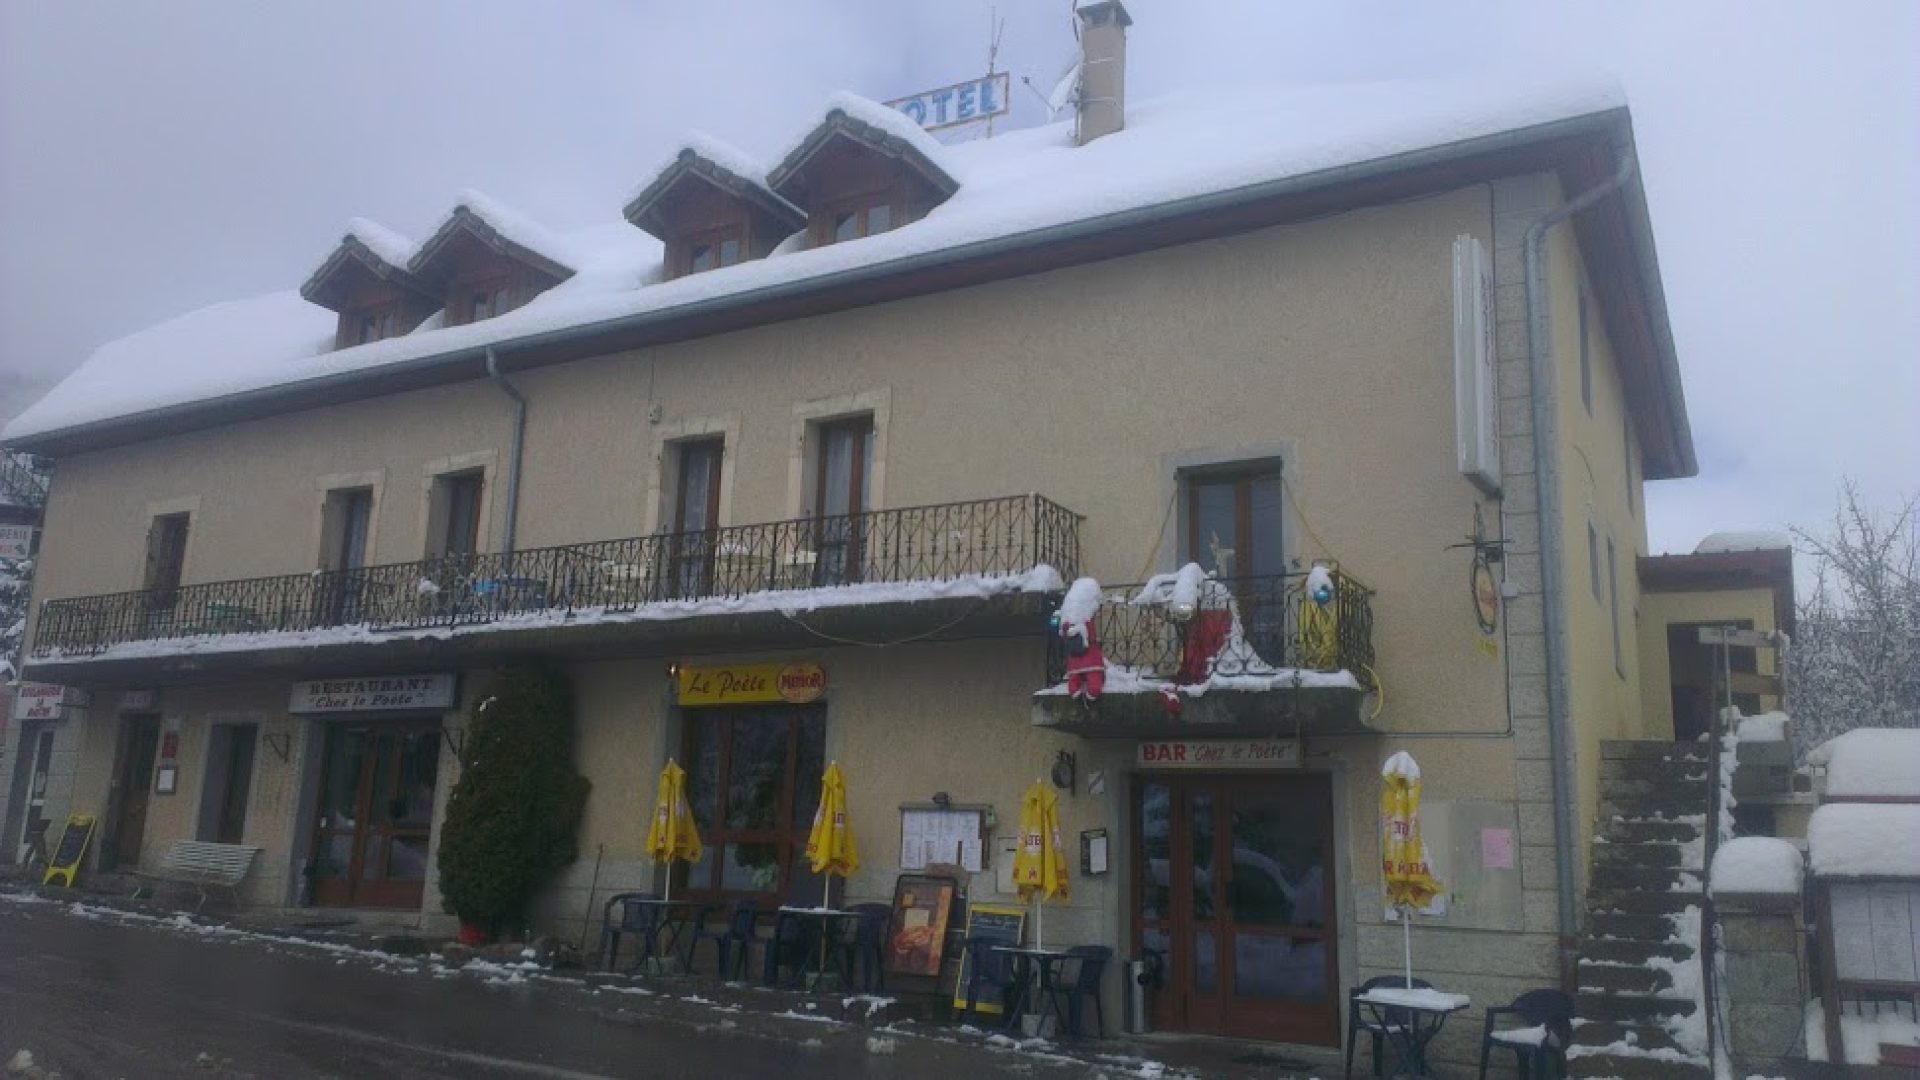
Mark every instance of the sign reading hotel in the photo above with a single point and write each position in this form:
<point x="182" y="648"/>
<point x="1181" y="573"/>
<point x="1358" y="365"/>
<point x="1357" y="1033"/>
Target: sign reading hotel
<point x="961" y="103"/>
<point x="380" y="693"/>
<point x="752" y="684"/>
<point x="1218" y="754"/>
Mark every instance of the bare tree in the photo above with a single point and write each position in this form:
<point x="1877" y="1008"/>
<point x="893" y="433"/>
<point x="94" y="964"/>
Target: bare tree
<point x="1856" y="659"/>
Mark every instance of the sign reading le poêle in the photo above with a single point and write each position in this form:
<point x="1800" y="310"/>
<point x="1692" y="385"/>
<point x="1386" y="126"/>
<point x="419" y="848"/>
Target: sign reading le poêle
<point x="749" y="684"/>
<point x="1218" y="754"/>
<point x="376" y="693"/>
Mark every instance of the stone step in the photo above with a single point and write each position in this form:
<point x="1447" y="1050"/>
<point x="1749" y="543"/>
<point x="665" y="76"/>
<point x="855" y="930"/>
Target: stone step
<point x="1667" y="806"/>
<point x="1633" y="1067"/>
<point x="1609" y="978"/>
<point x="1637" y="856"/>
<point x="1659" y="796"/>
<point x="1600" y="1033"/>
<point x="1633" y="749"/>
<point x="1615" y="901"/>
<point x="1634" y="951"/>
<point x="1629" y="1008"/>
<point x="1644" y="831"/>
<point x="1639" y="929"/>
<point x="1657" y="879"/>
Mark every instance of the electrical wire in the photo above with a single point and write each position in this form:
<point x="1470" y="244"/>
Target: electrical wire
<point x="935" y="632"/>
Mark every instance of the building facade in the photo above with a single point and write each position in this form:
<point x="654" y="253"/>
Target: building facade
<point x="853" y="425"/>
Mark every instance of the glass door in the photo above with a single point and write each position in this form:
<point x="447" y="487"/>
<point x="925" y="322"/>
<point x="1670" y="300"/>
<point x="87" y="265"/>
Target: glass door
<point x="840" y="502"/>
<point x="1233" y="886"/>
<point x="696" y="515"/>
<point x="375" y="816"/>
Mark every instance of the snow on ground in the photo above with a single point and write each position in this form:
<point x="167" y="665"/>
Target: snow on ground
<point x="1756" y="864"/>
<point x="792" y="603"/>
<point x="1864" y="840"/>
<point x="1183" y="147"/>
<point x="1860" y="1035"/>
<point x="1870" y="763"/>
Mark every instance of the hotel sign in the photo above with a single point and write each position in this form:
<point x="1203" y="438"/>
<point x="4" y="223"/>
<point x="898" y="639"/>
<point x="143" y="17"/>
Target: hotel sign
<point x="1218" y="754"/>
<point x="961" y="103"/>
<point x="378" y="693"/>
<point x="752" y="684"/>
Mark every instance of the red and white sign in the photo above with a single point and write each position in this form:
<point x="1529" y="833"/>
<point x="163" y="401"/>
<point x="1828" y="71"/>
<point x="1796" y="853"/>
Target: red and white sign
<point x="39" y="701"/>
<point x="1218" y="754"/>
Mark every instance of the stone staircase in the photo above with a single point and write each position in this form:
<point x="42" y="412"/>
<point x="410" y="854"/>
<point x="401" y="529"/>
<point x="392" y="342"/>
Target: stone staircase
<point x="1637" y="1007"/>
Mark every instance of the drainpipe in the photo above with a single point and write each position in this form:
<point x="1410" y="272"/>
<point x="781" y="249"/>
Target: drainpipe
<point x="513" y="449"/>
<point x="1546" y="472"/>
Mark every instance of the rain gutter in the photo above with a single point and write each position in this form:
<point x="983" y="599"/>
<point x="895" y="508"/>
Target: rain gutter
<point x="450" y="366"/>
<point x="1546" y="478"/>
<point x="514" y="448"/>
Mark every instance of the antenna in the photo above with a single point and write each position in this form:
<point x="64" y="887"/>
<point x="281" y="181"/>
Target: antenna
<point x="996" y="27"/>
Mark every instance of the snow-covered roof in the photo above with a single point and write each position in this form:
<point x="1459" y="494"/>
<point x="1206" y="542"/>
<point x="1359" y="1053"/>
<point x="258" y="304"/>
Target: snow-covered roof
<point x="1173" y="150"/>
<point x="392" y="248"/>
<point x="504" y="222"/>
<point x="1864" y="840"/>
<point x="1870" y="763"/>
<point x="1755" y="864"/>
<point x="891" y="123"/>
<point x="737" y="169"/>
<point x="1744" y="540"/>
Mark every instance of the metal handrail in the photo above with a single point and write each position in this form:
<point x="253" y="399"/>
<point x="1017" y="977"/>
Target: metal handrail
<point x="23" y="480"/>
<point x="1267" y="614"/>
<point x="1007" y="535"/>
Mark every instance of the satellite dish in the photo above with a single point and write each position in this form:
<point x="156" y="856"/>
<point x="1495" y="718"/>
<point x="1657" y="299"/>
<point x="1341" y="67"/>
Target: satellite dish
<point x="1064" y="91"/>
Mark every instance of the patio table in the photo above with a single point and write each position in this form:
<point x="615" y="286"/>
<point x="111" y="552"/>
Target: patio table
<point x="1411" y="1018"/>
<point x="816" y="946"/>
<point x="671" y="920"/>
<point x="1034" y="969"/>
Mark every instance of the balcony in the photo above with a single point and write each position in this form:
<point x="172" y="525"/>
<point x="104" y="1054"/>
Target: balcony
<point x="1252" y="656"/>
<point x="881" y="576"/>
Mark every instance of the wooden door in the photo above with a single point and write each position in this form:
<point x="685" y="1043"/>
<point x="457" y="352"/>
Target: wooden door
<point x="1233" y="886"/>
<point x="840" y="499"/>
<point x="376" y="811"/>
<point x="138" y="751"/>
<point x="696" y="516"/>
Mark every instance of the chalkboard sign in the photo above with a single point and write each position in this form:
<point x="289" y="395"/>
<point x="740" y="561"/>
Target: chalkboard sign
<point x="994" y="923"/>
<point x="65" y="864"/>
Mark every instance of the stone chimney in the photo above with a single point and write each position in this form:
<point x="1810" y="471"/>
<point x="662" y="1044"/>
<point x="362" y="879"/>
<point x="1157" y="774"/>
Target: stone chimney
<point x="1103" y="68"/>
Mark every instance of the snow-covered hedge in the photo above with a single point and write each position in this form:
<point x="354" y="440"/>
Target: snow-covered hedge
<point x="1755" y="864"/>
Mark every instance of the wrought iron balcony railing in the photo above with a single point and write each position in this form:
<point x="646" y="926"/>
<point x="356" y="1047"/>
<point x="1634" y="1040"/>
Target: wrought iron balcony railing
<point x="986" y="537"/>
<point x="1249" y="627"/>
<point x="23" y="480"/>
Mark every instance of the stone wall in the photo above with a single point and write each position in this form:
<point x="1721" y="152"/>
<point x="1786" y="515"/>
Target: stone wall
<point x="1762" y="941"/>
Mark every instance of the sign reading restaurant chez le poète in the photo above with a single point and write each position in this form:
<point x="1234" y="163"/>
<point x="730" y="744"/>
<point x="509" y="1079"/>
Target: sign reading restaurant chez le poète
<point x="376" y="693"/>
<point x="752" y="684"/>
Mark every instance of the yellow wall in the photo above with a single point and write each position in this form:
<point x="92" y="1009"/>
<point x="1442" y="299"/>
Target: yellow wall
<point x="1659" y="610"/>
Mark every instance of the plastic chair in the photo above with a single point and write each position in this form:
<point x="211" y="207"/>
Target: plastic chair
<point x="989" y="965"/>
<point x="739" y="930"/>
<point x="641" y="920"/>
<point x="1548" y="1019"/>
<point x="786" y="942"/>
<point x="1090" y="965"/>
<point x="867" y="946"/>
<point x="1361" y="1017"/>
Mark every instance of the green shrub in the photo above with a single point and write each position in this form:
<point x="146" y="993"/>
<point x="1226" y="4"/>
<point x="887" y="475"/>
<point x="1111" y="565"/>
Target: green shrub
<point x="514" y="816"/>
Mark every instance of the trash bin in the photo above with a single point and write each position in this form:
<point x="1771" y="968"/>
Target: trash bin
<point x="1144" y="976"/>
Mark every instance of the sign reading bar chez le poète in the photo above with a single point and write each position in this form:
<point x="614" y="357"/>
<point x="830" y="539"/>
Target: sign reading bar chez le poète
<point x="752" y="684"/>
<point x="377" y="693"/>
<point x="1218" y="754"/>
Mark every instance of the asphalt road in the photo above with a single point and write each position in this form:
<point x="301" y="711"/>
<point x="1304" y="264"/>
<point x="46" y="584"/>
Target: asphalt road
<point x="108" y="997"/>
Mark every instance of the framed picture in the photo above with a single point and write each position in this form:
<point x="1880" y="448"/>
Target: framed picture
<point x="922" y="906"/>
<point x="167" y="780"/>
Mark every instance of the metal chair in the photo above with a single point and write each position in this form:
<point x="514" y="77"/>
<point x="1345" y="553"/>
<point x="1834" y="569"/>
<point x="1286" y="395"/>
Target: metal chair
<point x="989" y="965"/>
<point x="1360" y="1018"/>
<point x="866" y="946"/>
<point x="739" y="930"/>
<point x="1090" y="965"/>
<point x="640" y="919"/>
<point x="1548" y="1019"/>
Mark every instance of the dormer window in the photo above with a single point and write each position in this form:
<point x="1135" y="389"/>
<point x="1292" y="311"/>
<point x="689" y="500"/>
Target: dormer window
<point x="487" y="299"/>
<point x="710" y="208"/>
<point x="367" y="282"/>
<point x="488" y="260"/>
<point x="863" y="170"/>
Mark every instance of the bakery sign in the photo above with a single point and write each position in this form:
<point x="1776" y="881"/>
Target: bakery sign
<point x="46" y="701"/>
<point x="375" y="693"/>
<point x="1218" y="754"/>
<point x="752" y="684"/>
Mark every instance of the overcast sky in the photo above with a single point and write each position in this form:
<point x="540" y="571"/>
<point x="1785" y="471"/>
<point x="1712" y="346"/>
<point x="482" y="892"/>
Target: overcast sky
<point x="155" y="158"/>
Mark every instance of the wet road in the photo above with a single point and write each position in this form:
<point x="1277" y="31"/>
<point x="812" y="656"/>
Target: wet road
<point x="104" y="997"/>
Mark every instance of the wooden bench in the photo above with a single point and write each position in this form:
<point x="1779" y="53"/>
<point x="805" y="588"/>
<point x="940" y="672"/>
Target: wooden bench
<point x="205" y="865"/>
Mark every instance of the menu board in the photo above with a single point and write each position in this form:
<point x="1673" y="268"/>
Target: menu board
<point x="933" y="835"/>
<point x="65" y="864"/>
<point x="921" y="907"/>
<point x="995" y="923"/>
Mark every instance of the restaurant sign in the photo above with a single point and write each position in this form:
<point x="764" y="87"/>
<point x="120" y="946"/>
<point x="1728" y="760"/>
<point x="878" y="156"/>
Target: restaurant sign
<point x="752" y="684"/>
<point x="377" y="693"/>
<point x="1218" y="754"/>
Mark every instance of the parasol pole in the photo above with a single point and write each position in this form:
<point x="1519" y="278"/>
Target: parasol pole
<point x="1406" y="941"/>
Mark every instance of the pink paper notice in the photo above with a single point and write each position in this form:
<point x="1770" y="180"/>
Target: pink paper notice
<point x="1496" y="849"/>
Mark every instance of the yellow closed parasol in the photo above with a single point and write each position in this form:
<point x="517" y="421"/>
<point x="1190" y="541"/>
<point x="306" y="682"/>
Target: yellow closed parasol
<point x="672" y="835"/>
<point x="1410" y="883"/>
<point x="1040" y="867"/>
